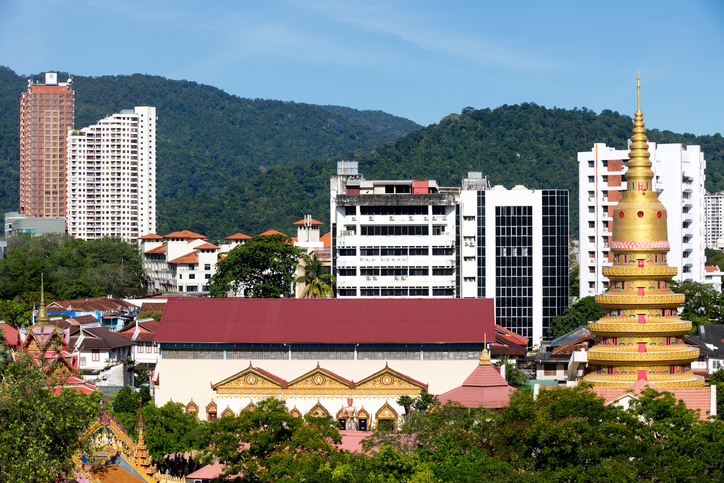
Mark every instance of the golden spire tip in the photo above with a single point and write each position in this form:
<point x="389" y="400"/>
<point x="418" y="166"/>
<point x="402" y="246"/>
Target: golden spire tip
<point x="638" y="91"/>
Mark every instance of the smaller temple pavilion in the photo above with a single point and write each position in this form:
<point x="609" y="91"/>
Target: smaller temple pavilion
<point x="49" y="345"/>
<point x="220" y="356"/>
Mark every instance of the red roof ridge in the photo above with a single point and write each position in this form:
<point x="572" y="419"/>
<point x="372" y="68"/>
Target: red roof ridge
<point x="314" y="222"/>
<point x="186" y="234"/>
<point x="150" y="236"/>
<point x="188" y="258"/>
<point x="238" y="236"/>
<point x="158" y="249"/>
<point x="711" y="268"/>
<point x="207" y="246"/>
<point x="271" y="232"/>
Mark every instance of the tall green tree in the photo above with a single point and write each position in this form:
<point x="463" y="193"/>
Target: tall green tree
<point x="263" y="267"/>
<point x="40" y="431"/>
<point x="316" y="279"/>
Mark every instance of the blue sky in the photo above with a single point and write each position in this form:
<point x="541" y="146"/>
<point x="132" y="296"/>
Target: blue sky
<point x="417" y="59"/>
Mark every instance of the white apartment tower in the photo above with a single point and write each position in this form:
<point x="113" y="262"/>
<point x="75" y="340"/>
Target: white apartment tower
<point x="112" y="176"/>
<point x="679" y="177"/>
<point x="715" y="220"/>
<point x="417" y="239"/>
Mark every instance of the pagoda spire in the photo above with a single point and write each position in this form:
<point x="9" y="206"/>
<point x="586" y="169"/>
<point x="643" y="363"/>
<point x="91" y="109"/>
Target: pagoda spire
<point x="640" y="335"/>
<point x="42" y="311"/>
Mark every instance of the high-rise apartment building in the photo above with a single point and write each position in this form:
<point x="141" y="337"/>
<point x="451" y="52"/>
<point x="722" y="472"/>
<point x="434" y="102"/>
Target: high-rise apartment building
<point x="715" y="220"/>
<point x="417" y="239"/>
<point x="679" y="182"/>
<point x="112" y="176"/>
<point x="46" y="117"/>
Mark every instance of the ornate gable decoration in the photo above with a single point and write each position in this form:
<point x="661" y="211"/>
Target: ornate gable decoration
<point x="319" y="411"/>
<point x="388" y="383"/>
<point x="227" y="412"/>
<point x="320" y="382"/>
<point x="251" y="381"/>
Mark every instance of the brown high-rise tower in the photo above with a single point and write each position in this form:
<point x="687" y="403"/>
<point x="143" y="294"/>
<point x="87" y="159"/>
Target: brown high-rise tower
<point x="46" y="117"/>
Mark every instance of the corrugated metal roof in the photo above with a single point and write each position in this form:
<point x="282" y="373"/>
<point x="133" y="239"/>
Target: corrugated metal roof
<point x="327" y="321"/>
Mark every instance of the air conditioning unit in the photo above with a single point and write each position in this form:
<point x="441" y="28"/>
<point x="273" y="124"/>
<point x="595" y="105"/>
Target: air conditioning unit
<point x="354" y="218"/>
<point x="410" y="218"/>
<point x="426" y="218"/>
<point x="372" y="218"/>
<point x="434" y="218"/>
<point x="392" y="218"/>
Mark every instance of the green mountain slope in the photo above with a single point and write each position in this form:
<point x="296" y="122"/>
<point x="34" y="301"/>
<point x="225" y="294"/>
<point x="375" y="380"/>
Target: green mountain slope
<point x="206" y="137"/>
<point x="380" y="121"/>
<point x="526" y="144"/>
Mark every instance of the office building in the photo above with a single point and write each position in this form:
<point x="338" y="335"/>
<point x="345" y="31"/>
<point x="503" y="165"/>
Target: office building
<point x="418" y="239"/>
<point x="112" y="176"/>
<point x="46" y="117"/>
<point x="679" y="183"/>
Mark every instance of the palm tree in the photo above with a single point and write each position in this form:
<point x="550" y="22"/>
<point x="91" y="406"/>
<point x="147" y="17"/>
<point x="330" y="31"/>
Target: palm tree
<point x="317" y="282"/>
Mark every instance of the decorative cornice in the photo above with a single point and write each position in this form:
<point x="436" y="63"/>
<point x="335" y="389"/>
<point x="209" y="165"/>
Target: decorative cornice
<point x="599" y="381"/>
<point x="638" y="301"/>
<point x="647" y="329"/>
<point x="645" y="272"/>
<point x="597" y="354"/>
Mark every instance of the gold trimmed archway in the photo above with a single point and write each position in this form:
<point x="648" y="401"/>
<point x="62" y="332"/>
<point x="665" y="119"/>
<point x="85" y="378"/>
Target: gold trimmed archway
<point x="295" y="412"/>
<point x="211" y="411"/>
<point x="227" y="412"/>
<point x="386" y="413"/>
<point x="192" y="407"/>
<point x="319" y="411"/>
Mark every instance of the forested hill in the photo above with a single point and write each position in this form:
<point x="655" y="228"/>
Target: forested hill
<point x="521" y="144"/>
<point x="206" y="137"/>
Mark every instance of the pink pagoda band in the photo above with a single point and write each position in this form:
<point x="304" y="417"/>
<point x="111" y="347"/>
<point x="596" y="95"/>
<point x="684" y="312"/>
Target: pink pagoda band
<point x="633" y="244"/>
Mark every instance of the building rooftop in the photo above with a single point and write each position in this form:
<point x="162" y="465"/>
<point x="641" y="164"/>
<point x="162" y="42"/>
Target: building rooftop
<point x="328" y="321"/>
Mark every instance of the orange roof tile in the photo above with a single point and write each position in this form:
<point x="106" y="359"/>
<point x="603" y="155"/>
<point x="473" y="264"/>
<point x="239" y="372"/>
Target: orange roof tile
<point x="188" y="258"/>
<point x="271" y="232"/>
<point x="222" y="256"/>
<point x="207" y="246"/>
<point x="483" y="387"/>
<point x="186" y="234"/>
<point x="326" y="239"/>
<point x="295" y="239"/>
<point x="314" y="222"/>
<point x="150" y="236"/>
<point x="159" y="249"/>
<point x="238" y="236"/>
<point x="711" y="268"/>
<point x="113" y="473"/>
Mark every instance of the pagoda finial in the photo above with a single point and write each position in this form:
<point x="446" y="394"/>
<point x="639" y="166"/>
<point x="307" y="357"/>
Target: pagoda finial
<point x="638" y="91"/>
<point x="42" y="312"/>
<point x="639" y="176"/>
<point x="485" y="356"/>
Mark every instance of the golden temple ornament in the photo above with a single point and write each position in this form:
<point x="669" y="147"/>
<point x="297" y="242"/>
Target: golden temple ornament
<point x="640" y="335"/>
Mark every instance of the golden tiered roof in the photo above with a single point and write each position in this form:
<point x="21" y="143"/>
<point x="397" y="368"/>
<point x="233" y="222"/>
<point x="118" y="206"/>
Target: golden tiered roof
<point x="640" y="335"/>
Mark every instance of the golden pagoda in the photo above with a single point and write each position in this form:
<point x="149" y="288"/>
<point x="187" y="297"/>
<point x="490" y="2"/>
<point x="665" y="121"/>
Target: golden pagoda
<point x="640" y="335"/>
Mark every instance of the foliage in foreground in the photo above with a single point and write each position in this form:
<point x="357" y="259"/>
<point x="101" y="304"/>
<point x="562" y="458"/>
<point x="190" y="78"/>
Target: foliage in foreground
<point x="39" y="430"/>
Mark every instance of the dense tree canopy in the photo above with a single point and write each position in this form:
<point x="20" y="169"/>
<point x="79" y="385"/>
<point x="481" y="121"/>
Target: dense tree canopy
<point x="72" y="269"/>
<point x="263" y="267"/>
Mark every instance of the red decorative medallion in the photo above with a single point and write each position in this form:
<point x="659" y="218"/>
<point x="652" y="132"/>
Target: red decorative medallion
<point x="659" y="214"/>
<point x="640" y="214"/>
<point x="620" y="214"/>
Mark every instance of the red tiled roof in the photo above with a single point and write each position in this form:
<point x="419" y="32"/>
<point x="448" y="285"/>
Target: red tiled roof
<point x="96" y="304"/>
<point x="711" y="268"/>
<point x="186" y="234"/>
<point x="696" y="398"/>
<point x="238" y="236"/>
<point x="83" y="319"/>
<point x="314" y="222"/>
<point x="150" y="236"/>
<point x="327" y="321"/>
<point x="511" y="336"/>
<point x="483" y="387"/>
<point x="207" y="246"/>
<point x="271" y="232"/>
<point x="150" y="306"/>
<point x="10" y="333"/>
<point x="98" y="338"/>
<point x="188" y="258"/>
<point x="326" y="239"/>
<point x="158" y="249"/>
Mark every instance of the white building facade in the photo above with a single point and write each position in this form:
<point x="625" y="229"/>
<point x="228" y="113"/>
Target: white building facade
<point x="416" y="239"/>
<point x="111" y="176"/>
<point x="679" y="177"/>
<point x="715" y="220"/>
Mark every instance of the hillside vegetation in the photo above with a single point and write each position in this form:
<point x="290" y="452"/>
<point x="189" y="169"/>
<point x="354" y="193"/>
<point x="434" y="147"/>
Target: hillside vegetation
<point x="521" y="144"/>
<point x="206" y="137"/>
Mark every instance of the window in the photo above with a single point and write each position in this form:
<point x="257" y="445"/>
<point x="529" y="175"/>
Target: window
<point x="369" y="252"/>
<point x="347" y="252"/>
<point x="438" y="229"/>
<point x="347" y="272"/>
<point x="207" y="276"/>
<point x="442" y="251"/>
<point x="444" y="271"/>
<point x="96" y="355"/>
<point x="207" y="266"/>
<point x="192" y="276"/>
<point x="549" y="370"/>
<point x="192" y="288"/>
<point x="369" y="271"/>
